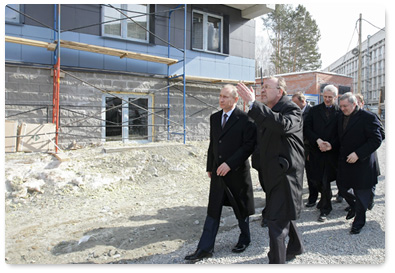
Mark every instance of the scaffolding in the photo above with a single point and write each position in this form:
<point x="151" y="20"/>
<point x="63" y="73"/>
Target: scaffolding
<point x="59" y="43"/>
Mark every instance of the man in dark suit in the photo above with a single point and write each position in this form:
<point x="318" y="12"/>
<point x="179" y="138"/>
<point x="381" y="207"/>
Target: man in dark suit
<point x="361" y="104"/>
<point x="321" y="125"/>
<point x="232" y="141"/>
<point x="359" y="137"/>
<point x="282" y="164"/>
<point x="301" y="101"/>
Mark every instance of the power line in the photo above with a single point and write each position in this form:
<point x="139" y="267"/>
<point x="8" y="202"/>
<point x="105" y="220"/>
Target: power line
<point x="373" y="25"/>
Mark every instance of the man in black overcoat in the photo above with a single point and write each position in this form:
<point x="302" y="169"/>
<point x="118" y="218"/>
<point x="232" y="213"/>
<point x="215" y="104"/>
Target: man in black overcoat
<point x="282" y="164"/>
<point x="321" y="125"/>
<point x="232" y="141"/>
<point x="359" y="137"/>
<point x="361" y="104"/>
<point x="301" y="101"/>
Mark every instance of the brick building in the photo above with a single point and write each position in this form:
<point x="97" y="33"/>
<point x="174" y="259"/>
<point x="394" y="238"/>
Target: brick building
<point x="311" y="83"/>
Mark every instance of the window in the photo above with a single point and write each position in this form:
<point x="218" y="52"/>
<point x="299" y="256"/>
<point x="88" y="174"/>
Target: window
<point x="344" y="89"/>
<point x="207" y="31"/>
<point x="117" y="24"/>
<point x="127" y="118"/>
<point x="12" y="16"/>
<point x="138" y="118"/>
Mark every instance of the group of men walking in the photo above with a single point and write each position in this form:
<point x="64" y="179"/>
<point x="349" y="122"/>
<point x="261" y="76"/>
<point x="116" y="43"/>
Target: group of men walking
<point x="332" y="143"/>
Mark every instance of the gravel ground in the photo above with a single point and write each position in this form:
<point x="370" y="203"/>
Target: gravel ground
<point x="325" y="243"/>
<point x="146" y="206"/>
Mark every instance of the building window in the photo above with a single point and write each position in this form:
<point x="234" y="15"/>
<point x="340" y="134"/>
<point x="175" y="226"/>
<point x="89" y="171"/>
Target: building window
<point x="207" y="32"/>
<point x="12" y="16"/>
<point x="127" y="118"/>
<point x="344" y="89"/>
<point x="118" y="24"/>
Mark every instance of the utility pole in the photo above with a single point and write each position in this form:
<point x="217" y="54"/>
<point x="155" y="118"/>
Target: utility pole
<point x="367" y="75"/>
<point x="360" y="54"/>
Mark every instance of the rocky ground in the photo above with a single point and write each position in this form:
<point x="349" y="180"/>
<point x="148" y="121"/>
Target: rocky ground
<point x="118" y="203"/>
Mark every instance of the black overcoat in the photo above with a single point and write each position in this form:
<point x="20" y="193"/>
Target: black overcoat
<point x="317" y="125"/>
<point x="305" y="140"/>
<point x="281" y="157"/>
<point x="233" y="145"/>
<point x="362" y="136"/>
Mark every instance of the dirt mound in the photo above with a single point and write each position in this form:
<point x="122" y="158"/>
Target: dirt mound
<point x="109" y="203"/>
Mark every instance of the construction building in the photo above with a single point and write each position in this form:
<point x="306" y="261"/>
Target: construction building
<point x="125" y="72"/>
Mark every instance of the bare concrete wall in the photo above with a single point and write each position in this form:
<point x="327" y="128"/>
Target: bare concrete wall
<point x="28" y="98"/>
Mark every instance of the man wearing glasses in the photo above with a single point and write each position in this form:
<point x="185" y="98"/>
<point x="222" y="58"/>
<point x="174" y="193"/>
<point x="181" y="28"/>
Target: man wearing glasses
<point x="279" y="121"/>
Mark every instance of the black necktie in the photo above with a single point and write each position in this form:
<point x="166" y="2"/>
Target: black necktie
<point x="345" y="122"/>
<point x="224" y="120"/>
<point x="328" y="112"/>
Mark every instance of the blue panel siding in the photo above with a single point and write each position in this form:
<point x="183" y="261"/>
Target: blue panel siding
<point x="13" y="52"/>
<point x="71" y="36"/>
<point x="90" y="59"/>
<point x="13" y="30"/>
<point x="37" y="33"/>
<point x="197" y="63"/>
<point x="236" y="72"/>
<point x="222" y="70"/>
<point x="193" y="66"/>
<point x="69" y="57"/>
<point x="160" y="51"/>
<point x="207" y="68"/>
<point x="155" y="69"/>
<point x="32" y="54"/>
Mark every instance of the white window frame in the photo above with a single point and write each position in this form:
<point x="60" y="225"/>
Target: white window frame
<point x="124" y="25"/>
<point x="125" y="116"/>
<point x="205" y="31"/>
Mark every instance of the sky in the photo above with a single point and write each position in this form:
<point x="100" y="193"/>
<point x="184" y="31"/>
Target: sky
<point x="337" y="21"/>
<point x="339" y="28"/>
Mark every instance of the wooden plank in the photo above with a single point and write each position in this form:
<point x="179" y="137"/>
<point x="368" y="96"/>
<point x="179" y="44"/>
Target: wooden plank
<point x="119" y="53"/>
<point x="30" y="42"/>
<point x="61" y="156"/>
<point x="211" y="80"/>
<point x="11" y="132"/>
<point x="36" y="137"/>
<point x="116" y="52"/>
<point x="92" y="48"/>
<point x="141" y="146"/>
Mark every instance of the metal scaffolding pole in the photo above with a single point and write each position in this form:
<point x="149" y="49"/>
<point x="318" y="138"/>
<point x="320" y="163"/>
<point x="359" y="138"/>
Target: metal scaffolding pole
<point x="183" y="66"/>
<point x="183" y="74"/>
<point x="56" y="74"/>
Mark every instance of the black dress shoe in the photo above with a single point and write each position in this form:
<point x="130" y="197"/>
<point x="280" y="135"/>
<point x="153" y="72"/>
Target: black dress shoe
<point x="323" y="217"/>
<point x="198" y="255"/>
<point x="239" y="248"/>
<point x="309" y="205"/>
<point x="350" y="214"/>
<point x="355" y="230"/>
<point x="291" y="256"/>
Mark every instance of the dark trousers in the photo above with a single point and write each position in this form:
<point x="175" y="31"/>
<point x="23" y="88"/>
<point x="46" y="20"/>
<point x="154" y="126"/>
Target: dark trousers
<point x="313" y="191"/>
<point x="210" y="230"/>
<point x="359" y="201"/>
<point x="260" y="177"/>
<point x="278" y="231"/>
<point x="324" y="187"/>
